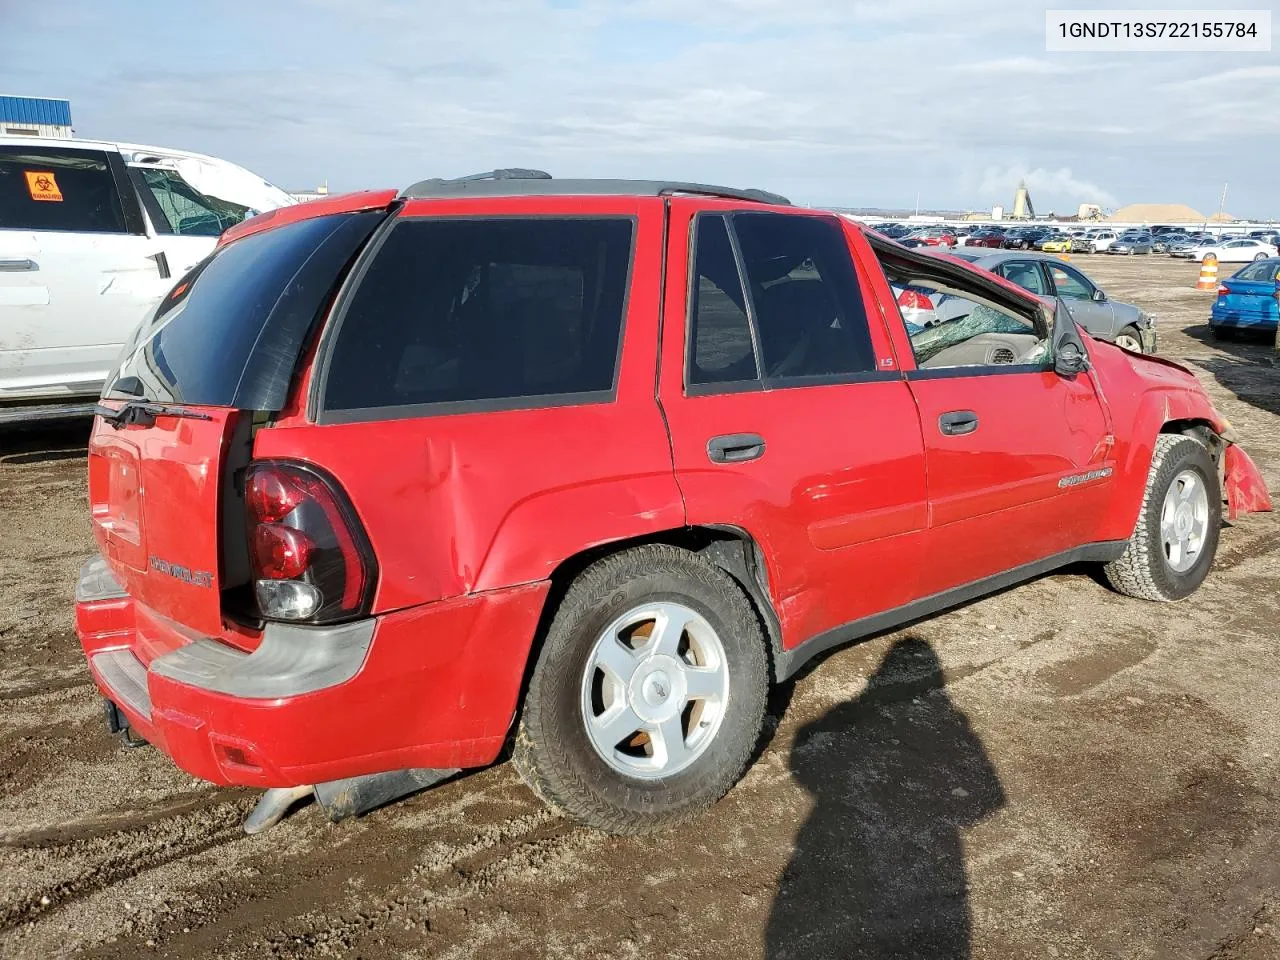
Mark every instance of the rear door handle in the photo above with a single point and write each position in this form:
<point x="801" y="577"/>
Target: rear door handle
<point x="735" y="447"/>
<point x="18" y="266"/>
<point x="958" y="422"/>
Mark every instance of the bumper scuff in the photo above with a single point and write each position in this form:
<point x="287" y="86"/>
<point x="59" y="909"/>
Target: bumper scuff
<point x="432" y="687"/>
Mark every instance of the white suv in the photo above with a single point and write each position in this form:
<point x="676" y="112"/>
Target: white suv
<point x="92" y="235"/>
<point x="1097" y="241"/>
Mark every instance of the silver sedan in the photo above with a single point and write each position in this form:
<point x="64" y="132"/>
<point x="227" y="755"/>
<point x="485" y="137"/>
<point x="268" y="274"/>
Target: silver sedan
<point x="1138" y="243"/>
<point x="1048" y="277"/>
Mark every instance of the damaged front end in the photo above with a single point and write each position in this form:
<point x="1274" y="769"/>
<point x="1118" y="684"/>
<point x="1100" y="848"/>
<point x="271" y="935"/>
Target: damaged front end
<point x="1242" y="483"/>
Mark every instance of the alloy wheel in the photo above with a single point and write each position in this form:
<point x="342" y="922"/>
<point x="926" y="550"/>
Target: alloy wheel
<point x="654" y="690"/>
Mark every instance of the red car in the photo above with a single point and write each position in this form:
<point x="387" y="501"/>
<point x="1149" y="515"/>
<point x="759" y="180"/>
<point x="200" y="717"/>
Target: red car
<point x="934" y="236"/>
<point x="389" y="482"/>
<point x="986" y="238"/>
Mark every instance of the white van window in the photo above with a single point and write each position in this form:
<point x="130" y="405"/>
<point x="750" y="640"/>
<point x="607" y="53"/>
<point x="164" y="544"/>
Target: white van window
<point x="49" y="188"/>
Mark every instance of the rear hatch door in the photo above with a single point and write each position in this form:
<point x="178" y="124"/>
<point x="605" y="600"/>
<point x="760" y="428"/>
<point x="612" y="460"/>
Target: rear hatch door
<point x="222" y="345"/>
<point x="155" y="499"/>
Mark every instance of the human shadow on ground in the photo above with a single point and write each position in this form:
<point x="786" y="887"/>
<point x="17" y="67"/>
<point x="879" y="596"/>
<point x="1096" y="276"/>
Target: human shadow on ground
<point x="40" y="442"/>
<point x="896" y="775"/>
<point x="1252" y="377"/>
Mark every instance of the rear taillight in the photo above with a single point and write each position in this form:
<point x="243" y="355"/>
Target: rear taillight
<point x="311" y="559"/>
<point x="1222" y="290"/>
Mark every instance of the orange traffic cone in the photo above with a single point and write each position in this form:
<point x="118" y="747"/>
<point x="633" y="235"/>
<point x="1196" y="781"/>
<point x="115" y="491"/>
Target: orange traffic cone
<point x="1208" y="274"/>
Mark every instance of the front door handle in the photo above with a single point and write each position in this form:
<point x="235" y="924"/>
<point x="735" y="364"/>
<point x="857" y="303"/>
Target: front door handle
<point x="18" y="266"/>
<point x="958" y="422"/>
<point x="735" y="447"/>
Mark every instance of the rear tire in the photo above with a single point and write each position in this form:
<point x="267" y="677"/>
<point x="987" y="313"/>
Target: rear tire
<point x="1176" y="537"/>
<point x="668" y="620"/>
<point x="1261" y="256"/>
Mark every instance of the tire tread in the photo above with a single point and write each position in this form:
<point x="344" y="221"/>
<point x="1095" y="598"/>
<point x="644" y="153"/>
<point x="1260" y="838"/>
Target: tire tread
<point x="1133" y="574"/>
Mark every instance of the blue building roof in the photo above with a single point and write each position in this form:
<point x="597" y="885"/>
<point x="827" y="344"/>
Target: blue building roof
<point x="35" y="110"/>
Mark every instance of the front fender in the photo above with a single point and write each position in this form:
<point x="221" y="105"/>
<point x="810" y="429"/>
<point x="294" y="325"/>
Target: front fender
<point x="1142" y="406"/>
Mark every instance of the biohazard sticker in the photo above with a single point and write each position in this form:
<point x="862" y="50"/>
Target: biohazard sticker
<point x="43" y="185"/>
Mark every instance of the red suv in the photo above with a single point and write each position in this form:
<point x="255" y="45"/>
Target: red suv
<point x="390" y="482"/>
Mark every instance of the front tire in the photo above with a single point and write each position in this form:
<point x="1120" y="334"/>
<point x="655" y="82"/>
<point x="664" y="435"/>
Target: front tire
<point x="1129" y="338"/>
<point x="648" y="695"/>
<point x="1176" y="537"/>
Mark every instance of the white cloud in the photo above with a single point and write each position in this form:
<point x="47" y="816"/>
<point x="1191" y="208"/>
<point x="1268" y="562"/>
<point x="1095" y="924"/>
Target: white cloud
<point x="1012" y="65"/>
<point x="1047" y="187"/>
<point x="1229" y="78"/>
<point x="836" y="101"/>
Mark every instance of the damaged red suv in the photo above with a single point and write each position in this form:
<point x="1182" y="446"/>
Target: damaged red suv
<point x="391" y="482"/>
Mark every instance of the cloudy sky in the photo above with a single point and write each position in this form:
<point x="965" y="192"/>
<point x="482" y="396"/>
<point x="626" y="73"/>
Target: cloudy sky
<point x="835" y="102"/>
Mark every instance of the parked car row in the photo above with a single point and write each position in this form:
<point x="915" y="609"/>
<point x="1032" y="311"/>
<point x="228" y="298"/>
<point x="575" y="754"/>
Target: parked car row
<point x="1196" y="245"/>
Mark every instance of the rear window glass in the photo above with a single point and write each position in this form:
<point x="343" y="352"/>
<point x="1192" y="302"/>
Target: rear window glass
<point x="493" y="313"/>
<point x="55" y="189"/>
<point x="1264" y="270"/>
<point x="230" y="332"/>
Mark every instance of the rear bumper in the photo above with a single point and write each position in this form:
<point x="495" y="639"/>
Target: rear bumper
<point x="431" y="686"/>
<point x="1241" y="320"/>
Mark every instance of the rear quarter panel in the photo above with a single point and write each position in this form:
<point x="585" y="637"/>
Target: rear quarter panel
<point x="465" y="503"/>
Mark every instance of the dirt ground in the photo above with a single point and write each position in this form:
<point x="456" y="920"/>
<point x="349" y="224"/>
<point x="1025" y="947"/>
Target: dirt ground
<point x="1056" y="771"/>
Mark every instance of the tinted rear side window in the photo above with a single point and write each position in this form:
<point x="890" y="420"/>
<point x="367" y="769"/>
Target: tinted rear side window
<point x="55" y="189"/>
<point x="231" y="331"/>
<point x="720" y="349"/>
<point x="484" y="314"/>
<point x="809" y="311"/>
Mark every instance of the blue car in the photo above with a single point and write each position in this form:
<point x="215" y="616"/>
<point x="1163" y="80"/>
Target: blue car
<point x="1247" y="299"/>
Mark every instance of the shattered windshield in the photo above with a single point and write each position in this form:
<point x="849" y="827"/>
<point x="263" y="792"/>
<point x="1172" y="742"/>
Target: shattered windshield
<point x="931" y="341"/>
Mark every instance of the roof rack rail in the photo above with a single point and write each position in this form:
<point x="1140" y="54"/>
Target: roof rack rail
<point x="504" y="173"/>
<point x="517" y="182"/>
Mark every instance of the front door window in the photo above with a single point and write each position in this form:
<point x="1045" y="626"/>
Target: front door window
<point x="177" y="207"/>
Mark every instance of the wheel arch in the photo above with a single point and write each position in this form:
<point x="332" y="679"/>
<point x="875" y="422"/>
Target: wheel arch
<point x="730" y="548"/>
<point x="1161" y="415"/>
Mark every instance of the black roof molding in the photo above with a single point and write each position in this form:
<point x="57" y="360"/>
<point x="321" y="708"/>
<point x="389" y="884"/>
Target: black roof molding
<point x="516" y="182"/>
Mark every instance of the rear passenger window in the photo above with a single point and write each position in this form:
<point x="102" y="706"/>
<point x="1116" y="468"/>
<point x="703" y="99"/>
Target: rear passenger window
<point x="808" y="309"/>
<point x="56" y="189"/>
<point x="502" y="313"/>
<point x="1025" y="274"/>
<point x="720" y="347"/>
<point x="1070" y="284"/>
